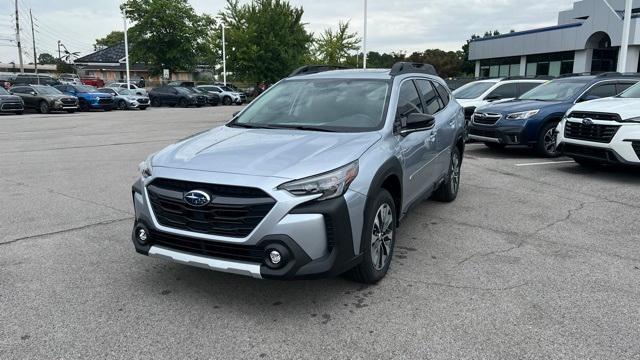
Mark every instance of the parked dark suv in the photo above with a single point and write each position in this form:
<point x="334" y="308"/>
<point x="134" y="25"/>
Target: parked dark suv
<point x="44" y="98"/>
<point x="176" y="95"/>
<point x="10" y="103"/>
<point x="532" y="118"/>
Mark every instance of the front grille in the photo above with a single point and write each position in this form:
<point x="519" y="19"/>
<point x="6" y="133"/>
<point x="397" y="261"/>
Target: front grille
<point x="207" y="248"/>
<point x="202" y="100"/>
<point x="143" y="101"/>
<point x="589" y="152"/>
<point x="486" y="118"/>
<point x="594" y="116"/>
<point x="485" y="133"/>
<point x="105" y="101"/>
<point x="636" y="147"/>
<point x="233" y="211"/>
<point x="12" y="106"/>
<point x="592" y="132"/>
<point x="68" y="101"/>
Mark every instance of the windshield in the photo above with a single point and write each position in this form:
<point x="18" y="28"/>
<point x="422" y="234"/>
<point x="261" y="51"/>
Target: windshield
<point x="183" y="90"/>
<point x="85" y="89"/>
<point x="554" y="91"/>
<point x="330" y="105"/>
<point x="472" y="90"/>
<point x="632" y="92"/>
<point x="47" y="90"/>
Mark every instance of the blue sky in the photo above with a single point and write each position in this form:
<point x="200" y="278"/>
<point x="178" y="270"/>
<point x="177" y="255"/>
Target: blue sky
<point x="394" y="25"/>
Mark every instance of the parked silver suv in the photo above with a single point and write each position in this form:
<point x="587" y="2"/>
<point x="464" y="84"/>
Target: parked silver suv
<point x="309" y="180"/>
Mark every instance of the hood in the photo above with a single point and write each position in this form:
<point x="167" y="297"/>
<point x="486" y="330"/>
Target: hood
<point x="58" y="96"/>
<point x="290" y="154"/>
<point x="625" y="107"/>
<point x="10" y="97"/>
<point x="513" y="106"/>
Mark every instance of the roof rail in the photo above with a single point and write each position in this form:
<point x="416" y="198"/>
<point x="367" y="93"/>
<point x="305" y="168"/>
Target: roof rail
<point x="608" y="74"/>
<point x="314" y="69"/>
<point x="544" y="77"/>
<point x="400" y="68"/>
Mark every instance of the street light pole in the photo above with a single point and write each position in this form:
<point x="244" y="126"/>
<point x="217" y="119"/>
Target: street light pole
<point x="126" y="48"/>
<point x="624" y="46"/>
<point x="224" y="57"/>
<point x="364" y="41"/>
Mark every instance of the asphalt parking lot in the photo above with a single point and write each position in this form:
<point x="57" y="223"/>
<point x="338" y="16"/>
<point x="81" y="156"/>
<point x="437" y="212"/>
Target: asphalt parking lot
<point x="535" y="259"/>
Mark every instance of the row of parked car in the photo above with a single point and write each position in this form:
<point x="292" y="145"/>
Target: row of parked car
<point x="592" y="118"/>
<point x="70" y="98"/>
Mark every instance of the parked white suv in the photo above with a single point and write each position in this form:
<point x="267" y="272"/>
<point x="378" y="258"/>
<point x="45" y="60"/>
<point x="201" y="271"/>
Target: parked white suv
<point x="482" y="92"/>
<point x="603" y="131"/>
<point x="227" y="95"/>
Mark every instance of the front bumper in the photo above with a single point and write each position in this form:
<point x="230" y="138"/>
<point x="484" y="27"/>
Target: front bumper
<point x="508" y="135"/>
<point x="316" y="238"/>
<point x="11" y="107"/>
<point x="623" y="149"/>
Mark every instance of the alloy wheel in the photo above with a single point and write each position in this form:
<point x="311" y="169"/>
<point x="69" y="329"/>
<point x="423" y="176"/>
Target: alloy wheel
<point x="455" y="172"/>
<point x="550" y="141"/>
<point x="382" y="237"/>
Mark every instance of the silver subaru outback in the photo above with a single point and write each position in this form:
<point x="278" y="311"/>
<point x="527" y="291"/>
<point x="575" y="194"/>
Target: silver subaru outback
<point x="310" y="180"/>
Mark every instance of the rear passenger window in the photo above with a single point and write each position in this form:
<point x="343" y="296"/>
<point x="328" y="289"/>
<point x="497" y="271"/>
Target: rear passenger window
<point x="431" y="99"/>
<point x="602" y="91"/>
<point x="525" y="86"/>
<point x="444" y="94"/>
<point x="408" y="100"/>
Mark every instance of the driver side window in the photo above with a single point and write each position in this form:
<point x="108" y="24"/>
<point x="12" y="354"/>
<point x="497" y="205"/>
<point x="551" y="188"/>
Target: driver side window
<point x="408" y="100"/>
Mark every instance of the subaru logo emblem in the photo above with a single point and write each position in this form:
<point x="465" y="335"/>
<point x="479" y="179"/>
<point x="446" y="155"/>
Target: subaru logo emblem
<point x="587" y="121"/>
<point x="197" y="198"/>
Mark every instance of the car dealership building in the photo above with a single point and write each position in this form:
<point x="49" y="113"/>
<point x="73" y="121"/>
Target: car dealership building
<point x="586" y="39"/>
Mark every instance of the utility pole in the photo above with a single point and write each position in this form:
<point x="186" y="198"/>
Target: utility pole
<point x="59" y="53"/>
<point x="364" y="40"/>
<point x="126" y="48"/>
<point x="33" y="37"/>
<point x="224" y="57"/>
<point x="624" y="46"/>
<point x="18" y="39"/>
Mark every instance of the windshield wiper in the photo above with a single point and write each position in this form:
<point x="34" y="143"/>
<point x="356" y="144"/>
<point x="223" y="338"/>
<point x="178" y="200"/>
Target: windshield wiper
<point x="249" y="126"/>
<point x="300" y="127"/>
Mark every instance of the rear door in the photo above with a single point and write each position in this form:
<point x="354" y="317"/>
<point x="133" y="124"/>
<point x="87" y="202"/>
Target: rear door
<point x="418" y="148"/>
<point x="435" y="105"/>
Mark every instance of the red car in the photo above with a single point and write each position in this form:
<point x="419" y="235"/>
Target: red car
<point x="93" y="81"/>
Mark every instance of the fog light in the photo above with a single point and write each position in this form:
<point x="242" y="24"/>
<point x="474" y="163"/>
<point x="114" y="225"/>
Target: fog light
<point x="275" y="257"/>
<point x="142" y="235"/>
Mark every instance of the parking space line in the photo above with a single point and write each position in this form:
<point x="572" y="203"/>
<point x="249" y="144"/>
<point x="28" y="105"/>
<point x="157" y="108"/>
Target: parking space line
<point x="546" y="163"/>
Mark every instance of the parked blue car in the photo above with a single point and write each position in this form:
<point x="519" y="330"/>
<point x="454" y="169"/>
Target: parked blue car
<point x="88" y="97"/>
<point x="532" y="119"/>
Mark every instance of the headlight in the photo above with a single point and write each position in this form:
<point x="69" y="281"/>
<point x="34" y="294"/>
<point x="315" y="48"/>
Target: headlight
<point x="145" y="167"/>
<point x="330" y="185"/>
<point x="522" y="115"/>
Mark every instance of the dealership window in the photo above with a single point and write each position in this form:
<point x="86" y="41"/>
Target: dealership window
<point x="500" y="67"/>
<point x="552" y="64"/>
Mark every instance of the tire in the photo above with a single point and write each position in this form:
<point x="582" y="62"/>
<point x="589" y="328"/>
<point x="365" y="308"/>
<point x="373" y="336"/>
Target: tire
<point x="183" y="103"/>
<point x="495" y="146"/>
<point x="71" y="111"/>
<point x="19" y="112"/>
<point x="84" y="106"/>
<point x="227" y="101"/>
<point x="108" y="108"/>
<point x="546" y="145"/>
<point x="43" y="107"/>
<point x="122" y="105"/>
<point x="155" y="102"/>
<point x="381" y="209"/>
<point x="142" y="107"/>
<point x="198" y="106"/>
<point x="448" y="191"/>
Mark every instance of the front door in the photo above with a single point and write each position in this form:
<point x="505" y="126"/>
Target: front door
<point x="419" y="148"/>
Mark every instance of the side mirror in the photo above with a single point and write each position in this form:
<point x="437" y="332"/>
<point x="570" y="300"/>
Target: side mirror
<point x="417" y="122"/>
<point x="589" y="98"/>
<point x="493" y="98"/>
<point x="33" y="93"/>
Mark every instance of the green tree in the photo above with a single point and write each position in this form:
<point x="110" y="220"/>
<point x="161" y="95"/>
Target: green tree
<point x="167" y="34"/>
<point x="334" y="47"/>
<point x="112" y="39"/>
<point x="45" y="58"/>
<point x="447" y="63"/>
<point x="468" y="67"/>
<point x="266" y="39"/>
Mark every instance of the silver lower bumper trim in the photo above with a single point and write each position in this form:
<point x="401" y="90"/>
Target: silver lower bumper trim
<point x="233" y="267"/>
<point x="484" y="138"/>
